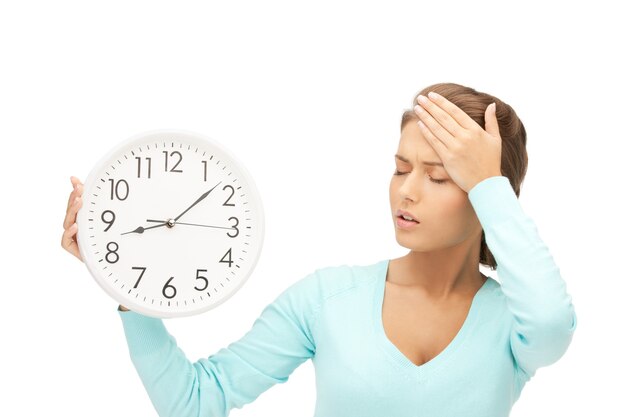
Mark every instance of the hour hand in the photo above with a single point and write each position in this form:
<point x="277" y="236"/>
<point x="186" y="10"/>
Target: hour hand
<point x="141" y="229"/>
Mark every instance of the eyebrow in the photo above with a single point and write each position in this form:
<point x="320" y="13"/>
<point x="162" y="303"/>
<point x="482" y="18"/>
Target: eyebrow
<point x="403" y="159"/>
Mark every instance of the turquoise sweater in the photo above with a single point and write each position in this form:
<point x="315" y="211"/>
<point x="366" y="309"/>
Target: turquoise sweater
<point x="333" y="317"/>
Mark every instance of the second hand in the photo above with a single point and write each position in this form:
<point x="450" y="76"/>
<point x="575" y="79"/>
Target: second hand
<point x="190" y="224"/>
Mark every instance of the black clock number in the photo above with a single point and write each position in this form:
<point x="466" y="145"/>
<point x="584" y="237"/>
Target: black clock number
<point x="234" y="227"/>
<point x="180" y="158"/>
<point x="116" y="189"/>
<point x="206" y="281"/>
<point x="143" y="269"/>
<point x="169" y="291"/>
<point x="230" y="259"/>
<point x="112" y="251"/>
<point x="232" y="191"/>
<point x="166" y="286"/>
<point x="109" y="222"/>
<point x="138" y="158"/>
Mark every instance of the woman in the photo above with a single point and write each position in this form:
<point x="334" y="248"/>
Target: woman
<point x="425" y="334"/>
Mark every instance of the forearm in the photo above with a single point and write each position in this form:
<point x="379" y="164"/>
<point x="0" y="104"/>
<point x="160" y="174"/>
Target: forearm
<point x="176" y="386"/>
<point x="544" y="319"/>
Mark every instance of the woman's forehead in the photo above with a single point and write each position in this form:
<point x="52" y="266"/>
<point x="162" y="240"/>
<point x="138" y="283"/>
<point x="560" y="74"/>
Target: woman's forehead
<point x="414" y="146"/>
<point x="412" y="151"/>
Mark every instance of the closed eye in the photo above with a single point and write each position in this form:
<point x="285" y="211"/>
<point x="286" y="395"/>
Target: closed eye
<point x="432" y="179"/>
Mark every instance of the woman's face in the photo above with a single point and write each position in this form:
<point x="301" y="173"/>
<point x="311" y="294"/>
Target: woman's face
<point x="443" y="209"/>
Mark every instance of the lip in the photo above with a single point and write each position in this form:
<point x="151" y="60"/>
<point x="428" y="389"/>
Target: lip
<point x="399" y="213"/>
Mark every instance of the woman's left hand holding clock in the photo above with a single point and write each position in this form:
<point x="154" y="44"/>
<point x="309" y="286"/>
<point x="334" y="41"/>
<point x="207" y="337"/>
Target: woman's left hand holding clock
<point x="69" y="240"/>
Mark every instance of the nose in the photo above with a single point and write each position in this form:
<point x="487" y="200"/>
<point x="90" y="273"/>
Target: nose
<point x="410" y="188"/>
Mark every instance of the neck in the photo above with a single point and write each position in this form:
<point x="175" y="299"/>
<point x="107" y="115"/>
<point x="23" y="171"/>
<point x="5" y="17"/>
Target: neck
<point x="440" y="274"/>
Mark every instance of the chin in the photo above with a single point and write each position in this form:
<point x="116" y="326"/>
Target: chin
<point x="414" y="242"/>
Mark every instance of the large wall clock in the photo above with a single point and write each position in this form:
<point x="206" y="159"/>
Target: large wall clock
<point x="171" y="224"/>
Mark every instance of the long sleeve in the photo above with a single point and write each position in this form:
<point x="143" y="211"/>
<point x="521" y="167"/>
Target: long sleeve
<point x="279" y="341"/>
<point x="544" y="319"/>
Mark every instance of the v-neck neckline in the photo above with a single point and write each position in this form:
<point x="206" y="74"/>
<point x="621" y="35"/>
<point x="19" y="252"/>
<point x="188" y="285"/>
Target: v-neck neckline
<point x="438" y="362"/>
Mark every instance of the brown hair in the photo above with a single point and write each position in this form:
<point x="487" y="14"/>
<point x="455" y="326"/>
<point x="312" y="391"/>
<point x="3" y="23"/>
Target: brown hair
<point x="514" y="160"/>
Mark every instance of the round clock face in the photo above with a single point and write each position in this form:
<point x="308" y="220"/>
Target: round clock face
<point x="171" y="224"/>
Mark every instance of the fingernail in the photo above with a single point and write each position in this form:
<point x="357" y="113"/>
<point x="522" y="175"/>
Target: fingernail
<point x="76" y="200"/>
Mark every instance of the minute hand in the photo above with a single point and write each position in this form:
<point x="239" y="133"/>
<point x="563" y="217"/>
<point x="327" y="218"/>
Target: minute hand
<point x="202" y="197"/>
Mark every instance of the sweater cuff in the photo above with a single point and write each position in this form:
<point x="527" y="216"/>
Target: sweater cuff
<point x="144" y="334"/>
<point x="494" y="201"/>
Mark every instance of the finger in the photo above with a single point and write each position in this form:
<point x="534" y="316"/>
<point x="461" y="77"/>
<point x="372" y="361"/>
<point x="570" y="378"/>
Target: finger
<point x="438" y="145"/>
<point x="74" y="182"/>
<point x="491" y="121"/>
<point x="72" y="196"/>
<point x="70" y="216"/>
<point x="78" y="191"/>
<point x="453" y="110"/>
<point x="440" y="114"/>
<point x="68" y="236"/>
<point x="441" y="134"/>
<point x="68" y="242"/>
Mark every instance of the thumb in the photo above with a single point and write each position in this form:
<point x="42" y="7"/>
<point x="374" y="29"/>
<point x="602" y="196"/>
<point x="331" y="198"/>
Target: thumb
<point x="491" y="121"/>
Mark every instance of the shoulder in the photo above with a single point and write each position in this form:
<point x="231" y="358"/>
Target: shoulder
<point x="328" y="281"/>
<point x="302" y="301"/>
<point x="336" y="279"/>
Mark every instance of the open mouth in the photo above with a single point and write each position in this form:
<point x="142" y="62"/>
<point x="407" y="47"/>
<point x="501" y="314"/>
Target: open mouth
<point x="403" y="221"/>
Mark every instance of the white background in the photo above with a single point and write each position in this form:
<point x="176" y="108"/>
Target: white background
<point x="309" y="97"/>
